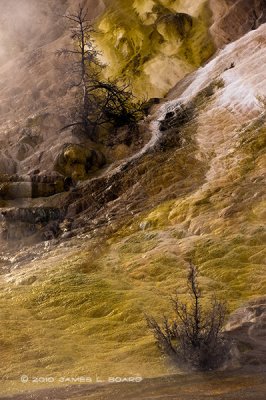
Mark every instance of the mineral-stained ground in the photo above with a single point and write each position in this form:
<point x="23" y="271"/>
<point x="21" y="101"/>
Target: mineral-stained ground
<point x="95" y="235"/>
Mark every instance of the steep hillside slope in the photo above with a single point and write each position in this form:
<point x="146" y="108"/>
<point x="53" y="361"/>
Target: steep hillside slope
<point x="193" y="189"/>
<point x="154" y="44"/>
<point x="35" y="98"/>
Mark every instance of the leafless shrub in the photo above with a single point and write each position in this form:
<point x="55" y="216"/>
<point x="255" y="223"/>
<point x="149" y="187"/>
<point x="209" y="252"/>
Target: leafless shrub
<point x="194" y="338"/>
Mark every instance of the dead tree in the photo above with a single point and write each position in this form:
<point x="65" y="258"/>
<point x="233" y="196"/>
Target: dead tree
<point x="194" y="337"/>
<point x="84" y="60"/>
<point x="102" y="101"/>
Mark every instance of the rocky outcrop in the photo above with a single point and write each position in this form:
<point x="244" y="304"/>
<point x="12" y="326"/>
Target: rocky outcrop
<point x="7" y="164"/>
<point x="28" y="142"/>
<point x="154" y="43"/>
<point x="234" y="18"/>
<point x="34" y="222"/>
<point x="247" y="329"/>
<point x="32" y="186"/>
<point x="77" y="161"/>
<point x="176" y="118"/>
<point x="173" y="26"/>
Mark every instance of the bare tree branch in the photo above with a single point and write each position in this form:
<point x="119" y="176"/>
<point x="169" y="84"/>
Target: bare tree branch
<point x="195" y="336"/>
<point x="100" y="101"/>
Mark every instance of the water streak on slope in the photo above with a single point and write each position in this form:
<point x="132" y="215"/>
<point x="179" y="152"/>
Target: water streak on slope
<point x="240" y="70"/>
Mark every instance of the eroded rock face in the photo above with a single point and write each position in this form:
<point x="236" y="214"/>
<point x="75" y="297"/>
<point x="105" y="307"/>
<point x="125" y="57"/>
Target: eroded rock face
<point x="232" y="19"/>
<point x="7" y="164"/>
<point x="158" y="42"/>
<point x="36" y="222"/>
<point x="172" y="26"/>
<point x="32" y="186"/>
<point x="247" y="328"/>
<point x="76" y="161"/>
<point x="26" y="145"/>
<point x="176" y="118"/>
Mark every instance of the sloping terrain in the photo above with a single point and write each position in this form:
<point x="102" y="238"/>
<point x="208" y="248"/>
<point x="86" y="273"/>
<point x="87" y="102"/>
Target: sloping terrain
<point x="155" y="44"/>
<point x="193" y="188"/>
<point x="218" y="386"/>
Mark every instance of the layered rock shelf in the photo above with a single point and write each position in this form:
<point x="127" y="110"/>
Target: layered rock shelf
<point x="32" y="186"/>
<point x="20" y="222"/>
